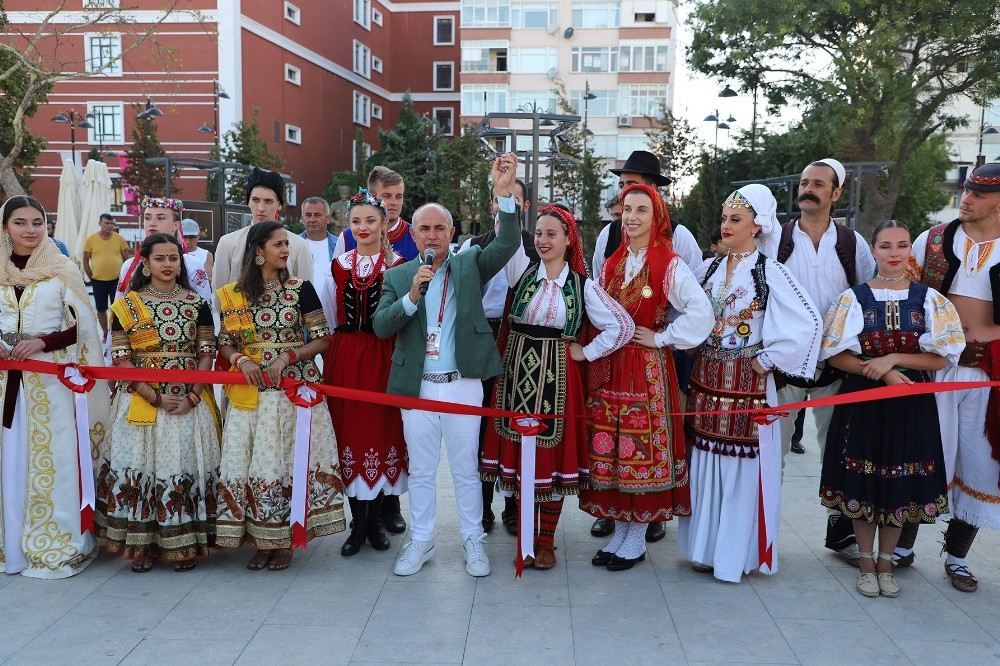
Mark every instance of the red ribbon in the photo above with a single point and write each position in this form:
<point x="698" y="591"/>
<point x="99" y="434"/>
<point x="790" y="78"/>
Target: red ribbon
<point x="64" y="379"/>
<point x="292" y="386"/>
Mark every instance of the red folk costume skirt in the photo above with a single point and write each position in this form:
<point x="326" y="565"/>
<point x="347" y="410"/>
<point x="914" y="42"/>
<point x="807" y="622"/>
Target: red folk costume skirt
<point x="638" y="464"/>
<point x="369" y="436"/>
<point x="723" y="380"/>
<point x="539" y="377"/>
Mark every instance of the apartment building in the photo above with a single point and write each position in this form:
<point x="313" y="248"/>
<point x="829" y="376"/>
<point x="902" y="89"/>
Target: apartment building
<point x="515" y="53"/>
<point x="312" y="71"/>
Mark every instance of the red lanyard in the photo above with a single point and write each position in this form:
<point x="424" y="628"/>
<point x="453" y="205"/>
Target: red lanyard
<point x="444" y="295"/>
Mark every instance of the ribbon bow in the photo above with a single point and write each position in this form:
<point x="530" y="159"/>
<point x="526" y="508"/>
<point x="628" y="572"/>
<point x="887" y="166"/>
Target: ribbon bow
<point x="301" y="394"/>
<point x="75" y="378"/>
<point x="304" y="397"/>
<point x="768" y="416"/>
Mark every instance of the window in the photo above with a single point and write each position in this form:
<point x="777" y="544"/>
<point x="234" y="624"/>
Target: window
<point x="484" y="56"/>
<point x="532" y="60"/>
<point x="444" y="76"/>
<point x="104" y="54"/>
<point x="100" y="4"/>
<point x="293" y="74"/>
<point x="629" y="143"/>
<point x="594" y="59"/>
<point x="362" y="109"/>
<point x="638" y="57"/>
<point x="108" y="120"/>
<point x="376" y="16"/>
<point x="604" y="104"/>
<point x="603" y="145"/>
<point x="293" y="134"/>
<point x="534" y="14"/>
<point x="377" y="64"/>
<point x="292" y="13"/>
<point x="595" y="14"/>
<point x="444" y="118"/>
<point x="362" y="60"/>
<point x="478" y="99"/>
<point x="543" y="100"/>
<point x="363" y="13"/>
<point x="376" y="112"/>
<point x="366" y="150"/>
<point x="291" y="194"/>
<point x="642" y="99"/>
<point x="444" y="30"/>
<point x="485" y="13"/>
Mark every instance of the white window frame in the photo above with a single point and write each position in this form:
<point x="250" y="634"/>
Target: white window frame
<point x="363" y="13"/>
<point x="611" y="8"/>
<point x="501" y="18"/>
<point x="451" y="125"/>
<point x="293" y="74"/>
<point x="376" y="17"/>
<point x="517" y="9"/>
<point x="118" y="138"/>
<point x="376" y="64"/>
<point x="116" y="53"/>
<point x="354" y="153"/>
<point x="476" y="91"/>
<point x="451" y="85"/>
<point x="447" y="18"/>
<point x="293" y="134"/>
<point x="489" y="46"/>
<point x="376" y="112"/>
<point x="291" y="193"/>
<point x="362" y="115"/>
<point x="101" y="4"/>
<point x="361" y="59"/>
<point x="517" y="57"/>
<point x="292" y="13"/>
<point x="627" y="49"/>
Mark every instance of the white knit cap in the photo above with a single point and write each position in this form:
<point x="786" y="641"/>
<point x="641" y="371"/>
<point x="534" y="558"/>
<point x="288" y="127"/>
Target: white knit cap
<point x="838" y="169"/>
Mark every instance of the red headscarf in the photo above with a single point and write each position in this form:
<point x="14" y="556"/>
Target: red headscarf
<point x="574" y="254"/>
<point x="660" y="236"/>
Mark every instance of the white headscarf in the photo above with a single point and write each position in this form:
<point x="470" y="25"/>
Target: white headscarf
<point x="765" y="206"/>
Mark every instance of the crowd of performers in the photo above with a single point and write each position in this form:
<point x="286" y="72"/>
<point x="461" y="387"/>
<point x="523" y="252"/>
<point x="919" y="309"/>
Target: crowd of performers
<point x="519" y="323"/>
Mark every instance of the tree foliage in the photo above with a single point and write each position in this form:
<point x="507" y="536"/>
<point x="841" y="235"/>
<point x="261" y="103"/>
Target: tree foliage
<point x="886" y="72"/>
<point x="407" y="149"/>
<point x="243" y="144"/>
<point x="141" y="177"/>
<point x="673" y="140"/>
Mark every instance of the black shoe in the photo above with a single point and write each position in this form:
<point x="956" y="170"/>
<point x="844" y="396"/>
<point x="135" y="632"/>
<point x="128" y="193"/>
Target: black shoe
<point x="392" y="518"/>
<point x="655" y="532"/>
<point x="798" y="448"/>
<point x="602" y="527"/>
<point x="377" y="537"/>
<point x="623" y="563"/>
<point x="509" y="519"/>
<point x="488" y="519"/>
<point x="359" y="512"/>
<point x="602" y="558"/>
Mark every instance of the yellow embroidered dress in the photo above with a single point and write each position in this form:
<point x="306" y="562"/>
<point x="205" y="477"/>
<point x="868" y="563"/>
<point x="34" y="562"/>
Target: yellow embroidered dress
<point x="156" y="486"/>
<point x="258" y="440"/>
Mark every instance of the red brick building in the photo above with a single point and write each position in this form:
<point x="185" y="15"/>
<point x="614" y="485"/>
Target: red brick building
<point x="312" y="71"/>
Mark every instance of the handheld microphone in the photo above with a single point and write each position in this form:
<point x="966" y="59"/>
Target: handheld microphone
<point x="429" y="256"/>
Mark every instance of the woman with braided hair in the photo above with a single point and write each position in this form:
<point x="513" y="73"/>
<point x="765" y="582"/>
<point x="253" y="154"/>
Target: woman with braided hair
<point x="370" y="437"/>
<point x="552" y="298"/>
<point x="638" y="465"/>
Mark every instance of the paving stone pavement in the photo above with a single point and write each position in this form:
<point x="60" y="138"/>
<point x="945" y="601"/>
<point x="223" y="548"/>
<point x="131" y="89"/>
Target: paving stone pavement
<point x="328" y="609"/>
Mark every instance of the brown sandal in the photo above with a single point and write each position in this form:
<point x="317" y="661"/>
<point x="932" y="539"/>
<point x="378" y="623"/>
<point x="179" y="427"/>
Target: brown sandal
<point x="185" y="565"/>
<point x="545" y="557"/>
<point x="142" y="565"/>
<point x="281" y="560"/>
<point x="259" y="560"/>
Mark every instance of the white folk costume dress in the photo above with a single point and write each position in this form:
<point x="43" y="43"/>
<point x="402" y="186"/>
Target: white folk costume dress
<point x="539" y="376"/>
<point x="40" y="532"/>
<point x="369" y="436"/>
<point x="156" y="488"/>
<point x="972" y="463"/>
<point x="258" y="440"/>
<point x="762" y="313"/>
<point x="883" y="462"/>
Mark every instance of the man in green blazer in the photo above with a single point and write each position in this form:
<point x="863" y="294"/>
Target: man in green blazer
<point x="444" y="349"/>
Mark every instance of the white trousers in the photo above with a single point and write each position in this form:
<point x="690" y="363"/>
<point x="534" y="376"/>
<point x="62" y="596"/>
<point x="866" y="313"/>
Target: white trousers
<point x="823" y="415"/>
<point x="972" y="472"/>
<point x="423" y="432"/>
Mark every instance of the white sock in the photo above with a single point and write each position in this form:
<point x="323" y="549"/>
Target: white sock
<point x="957" y="561"/>
<point x="902" y="552"/>
<point x="635" y="542"/>
<point x="618" y="538"/>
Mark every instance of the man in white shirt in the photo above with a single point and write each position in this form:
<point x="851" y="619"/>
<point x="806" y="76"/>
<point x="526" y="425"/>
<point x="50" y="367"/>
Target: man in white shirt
<point x="827" y="259"/>
<point x="266" y="197"/>
<point x="192" y="235"/>
<point x="316" y="219"/>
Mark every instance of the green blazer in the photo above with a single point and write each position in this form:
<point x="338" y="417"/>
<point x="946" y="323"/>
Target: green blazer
<point x="475" y="349"/>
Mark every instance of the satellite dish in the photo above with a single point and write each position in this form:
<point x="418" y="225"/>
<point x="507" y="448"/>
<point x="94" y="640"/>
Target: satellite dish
<point x="552" y="73"/>
<point x="568" y="32"/>
<point x="552" y="28"/>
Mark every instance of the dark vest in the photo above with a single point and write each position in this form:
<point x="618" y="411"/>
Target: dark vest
<point x="941" y="264"/>
<point x="846" y="247"/>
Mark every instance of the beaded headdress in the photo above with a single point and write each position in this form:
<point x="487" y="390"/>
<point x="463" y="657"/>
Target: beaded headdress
<point x="366" y="198"/>
<point x="737" y="200"/>
<point x="175" y="205"/>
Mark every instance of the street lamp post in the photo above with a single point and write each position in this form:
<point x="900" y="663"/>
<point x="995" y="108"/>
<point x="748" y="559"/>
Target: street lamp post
<point x="74" y="119"/>
<point x="984" y="129"/>
<point x="587" y="96"/>
<point x="714" y="118"/>
<point x="217" y="94"/>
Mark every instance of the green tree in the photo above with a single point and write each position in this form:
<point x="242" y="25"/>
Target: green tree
<point x="407" y="149"/>
<point x="673" y="140"/>
<point x="564" y="178"/>
<point x="460" y="178"/>
<point x="890" y="70"/>
<point x="243" y="144"/>
<point x="140" y="176"/>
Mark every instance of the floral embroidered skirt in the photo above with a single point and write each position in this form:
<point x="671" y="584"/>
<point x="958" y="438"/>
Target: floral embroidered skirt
<point x="370" y="437"/>
<point x="538" y="378"/>
<point x="638" y="464"/>
<point x="156" y="490"/>
<point x="255" y="477"/>
<point x="883" y="462"/>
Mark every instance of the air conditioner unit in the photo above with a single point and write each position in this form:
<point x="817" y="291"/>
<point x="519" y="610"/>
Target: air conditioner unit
<point x="552" y="28"/>
<point x="624" y="120"/>
<point x="552" y="73"/>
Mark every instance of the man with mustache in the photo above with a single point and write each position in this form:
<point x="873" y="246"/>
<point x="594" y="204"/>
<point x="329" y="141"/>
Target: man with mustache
<point x="826" y="258"/>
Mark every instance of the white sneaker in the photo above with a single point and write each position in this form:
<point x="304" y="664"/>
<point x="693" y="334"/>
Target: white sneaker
<point x="476" y="562"/>
<point x="413" y="557"/>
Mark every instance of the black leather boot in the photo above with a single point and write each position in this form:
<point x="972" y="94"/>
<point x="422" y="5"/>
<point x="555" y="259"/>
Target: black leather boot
<point x="488" y="516"/>
<point x="377" y="537"/>
<point x="359" y="516"/>
<point x="392" y="518"/>
<point x="958" y="540"/>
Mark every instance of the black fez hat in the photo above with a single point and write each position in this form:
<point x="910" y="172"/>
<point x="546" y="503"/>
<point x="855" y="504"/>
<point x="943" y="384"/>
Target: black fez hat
<point x="985" y="178"/>
<point x="646" y="163"/>
<point x="272" y="180"/>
